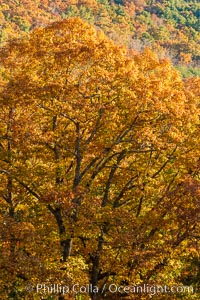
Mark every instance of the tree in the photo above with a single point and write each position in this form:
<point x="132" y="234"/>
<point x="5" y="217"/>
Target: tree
<point x="96" y="148"/>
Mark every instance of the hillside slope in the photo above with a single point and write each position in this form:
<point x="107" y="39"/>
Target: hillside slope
<point x="171" y="28"/>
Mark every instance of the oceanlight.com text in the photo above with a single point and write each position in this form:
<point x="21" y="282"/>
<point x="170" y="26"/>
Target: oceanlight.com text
<point x="50" y="289"/>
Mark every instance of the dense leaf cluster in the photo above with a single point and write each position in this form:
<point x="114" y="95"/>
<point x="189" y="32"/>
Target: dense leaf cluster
<point x="99" y="167"/>
<point x="170" y="27"/>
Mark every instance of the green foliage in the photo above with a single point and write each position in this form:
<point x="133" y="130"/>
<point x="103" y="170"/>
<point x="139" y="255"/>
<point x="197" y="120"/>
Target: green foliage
<point x="120" y="11"/>
<point x="71" y="11"/>
<point x="23" y="24"/>
<point x="86" y="14"/>
<point x="160" y="33"/>
<point x="188" y="72"/>
<point x="145" y="18"/>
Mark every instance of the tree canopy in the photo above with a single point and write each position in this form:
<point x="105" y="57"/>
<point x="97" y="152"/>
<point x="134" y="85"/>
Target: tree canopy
<point x="99" y="164"/>
<point x="170" y="27"/>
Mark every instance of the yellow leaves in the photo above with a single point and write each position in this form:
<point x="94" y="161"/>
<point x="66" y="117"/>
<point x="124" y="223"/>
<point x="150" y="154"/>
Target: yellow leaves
<point x="96" y="142"/>
<point x="185" y="58"/>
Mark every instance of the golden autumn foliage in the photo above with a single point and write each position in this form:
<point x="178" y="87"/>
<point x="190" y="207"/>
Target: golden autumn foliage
<point x="99" y="164"/>
<point x="172" y="26"/>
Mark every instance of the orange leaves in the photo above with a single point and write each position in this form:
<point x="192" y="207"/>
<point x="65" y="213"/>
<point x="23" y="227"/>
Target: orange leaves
<point x="185" y="58"/>
<point x="93" y="146"/>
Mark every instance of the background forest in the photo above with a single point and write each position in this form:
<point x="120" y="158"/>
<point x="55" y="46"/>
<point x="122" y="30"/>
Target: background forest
<point x="99" y="149"/>
<point x="171" y="28"/>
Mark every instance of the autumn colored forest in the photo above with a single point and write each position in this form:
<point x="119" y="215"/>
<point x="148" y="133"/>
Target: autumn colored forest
<point x="99" y="150"/>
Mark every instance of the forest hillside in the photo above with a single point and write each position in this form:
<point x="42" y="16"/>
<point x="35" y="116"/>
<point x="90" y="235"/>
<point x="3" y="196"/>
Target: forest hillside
<point x="171" y="28"/>
<point x="99" y="150"/>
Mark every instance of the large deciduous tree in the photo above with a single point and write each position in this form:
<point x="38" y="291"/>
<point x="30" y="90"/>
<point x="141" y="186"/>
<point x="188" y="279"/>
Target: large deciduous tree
<point x="99" y="163"/>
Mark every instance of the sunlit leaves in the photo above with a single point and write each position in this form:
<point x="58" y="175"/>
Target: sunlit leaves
<point x="98" y="157"/>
